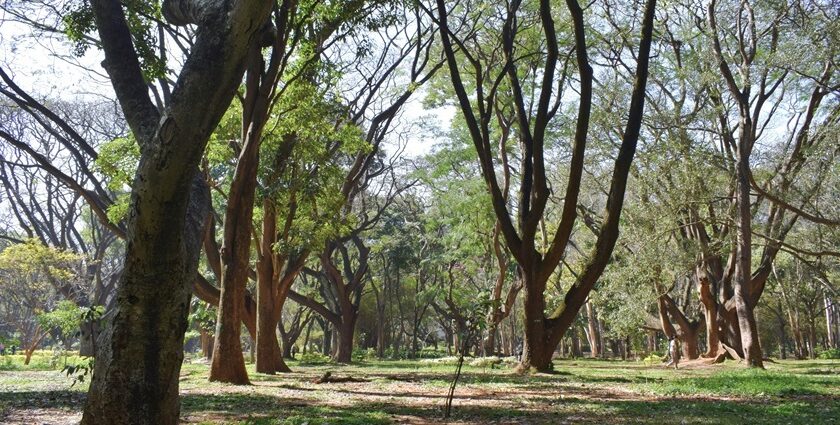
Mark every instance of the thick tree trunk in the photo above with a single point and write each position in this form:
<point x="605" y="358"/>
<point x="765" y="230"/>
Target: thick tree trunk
<point x="141" y="349"/>
<point x="269" y="356"/>
<point x="749" y="333"/>
<point x="690" y="342"/>
<point x="139" y="357"/>
<point x="228" y="362"/>
<point x="344" y="349"/>
<point x="536" y="349"/>
<point x="267" y="345"/>
<point x="228" y="365"/>
<point x="689" y="331"/>
<point x="730" y="327"/>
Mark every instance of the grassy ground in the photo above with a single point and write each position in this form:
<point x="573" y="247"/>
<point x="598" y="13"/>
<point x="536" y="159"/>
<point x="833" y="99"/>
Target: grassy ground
<point x="412" y="392"/>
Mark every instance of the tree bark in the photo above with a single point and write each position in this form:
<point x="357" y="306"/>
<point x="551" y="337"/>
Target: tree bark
<point x="344" y="351"/>
<point x="137" y="367"/>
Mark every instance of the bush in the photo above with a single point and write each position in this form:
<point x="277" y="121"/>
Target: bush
<point x="360" y="355"/>
<point x="312" y="359"/>
<point x="450" y="360"/>
<point x="830" y="354"/>
<point x="492" y="362"/>
<point x="653" y="359"/>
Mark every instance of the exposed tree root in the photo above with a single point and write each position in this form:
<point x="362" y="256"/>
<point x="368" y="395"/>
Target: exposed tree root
<point x="327" y="378"/>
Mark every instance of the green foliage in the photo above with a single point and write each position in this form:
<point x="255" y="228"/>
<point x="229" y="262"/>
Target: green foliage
<point x="38" y="262"/>
<point x="360" y="355"/>
<point x="830" y="354"/>
<point x="64" y="318"/>
<point x="78" y="24"/>
<point x="313" y="358"/>
<point x="653" y="359"/>
<point x="79" y="371"/>
<point x="118" y="160"/>
<point x="42" y="360"/>
<point x="203" y="316"/>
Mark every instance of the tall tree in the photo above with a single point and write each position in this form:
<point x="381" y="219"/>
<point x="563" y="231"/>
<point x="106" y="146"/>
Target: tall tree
<point x="542" y="332"/>
<point x="136" y="374"/>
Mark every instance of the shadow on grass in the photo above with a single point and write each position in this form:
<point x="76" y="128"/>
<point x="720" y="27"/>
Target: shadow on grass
<point x="260" y="409"/>
<point x="59" y="399"/>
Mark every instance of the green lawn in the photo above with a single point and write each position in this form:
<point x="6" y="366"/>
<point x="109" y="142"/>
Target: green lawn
<point x="413" y="392"/>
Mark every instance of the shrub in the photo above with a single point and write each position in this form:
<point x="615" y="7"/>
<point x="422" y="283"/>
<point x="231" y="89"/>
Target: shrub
<point x="653" y="359"/>
<point x="830" y="354"/>
<point x="450" y="360"/>
<point x="314" y="359"/>
<point x="360" y="355"/>
<point x="493" y="361"/>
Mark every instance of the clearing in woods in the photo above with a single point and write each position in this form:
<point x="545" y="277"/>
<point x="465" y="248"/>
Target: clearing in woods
<point x="414" y="392"/>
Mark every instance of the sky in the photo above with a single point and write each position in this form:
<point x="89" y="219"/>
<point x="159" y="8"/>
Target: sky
<point x="45" y="67"/>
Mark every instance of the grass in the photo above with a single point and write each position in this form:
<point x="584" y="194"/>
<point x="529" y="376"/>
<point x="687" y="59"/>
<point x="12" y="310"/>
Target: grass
<point x="413" y="392"/>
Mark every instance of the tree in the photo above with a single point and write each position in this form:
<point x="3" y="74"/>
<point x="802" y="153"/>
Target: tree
<point x="30" y="277"/>
<point x="542" y="333"/>
<point x="136" y="373"/>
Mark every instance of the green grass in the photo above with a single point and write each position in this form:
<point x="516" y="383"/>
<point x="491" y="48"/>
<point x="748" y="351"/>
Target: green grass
<point x="41" y="360"/>
<point x="750" y="383"/>
<point x="580" y="391"/>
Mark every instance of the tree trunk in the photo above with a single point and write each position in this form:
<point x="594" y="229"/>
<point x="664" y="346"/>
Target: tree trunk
<point x="489" y="343"/>
<point x="536" y="349"/>
<point x="576" y="350"/>
<point x="88" y="332"/>
<point x="829" y="322"/>
<point x="690" y="342"/>
<point x="380" y="323"/>
<point x="206" y="344"/>
<point x="139" y="357"/>
<point x="344" y="349"/>
<point x="306" y="337"/>
<point x="594" y="335"/>
<point x="141" y="350"/>
<point x="269" y="356"/>
<point x="328" y="338"/>
<point x="710" y="315"/>
<point x="39" y="335"/>
<point x="628" y="347"/>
